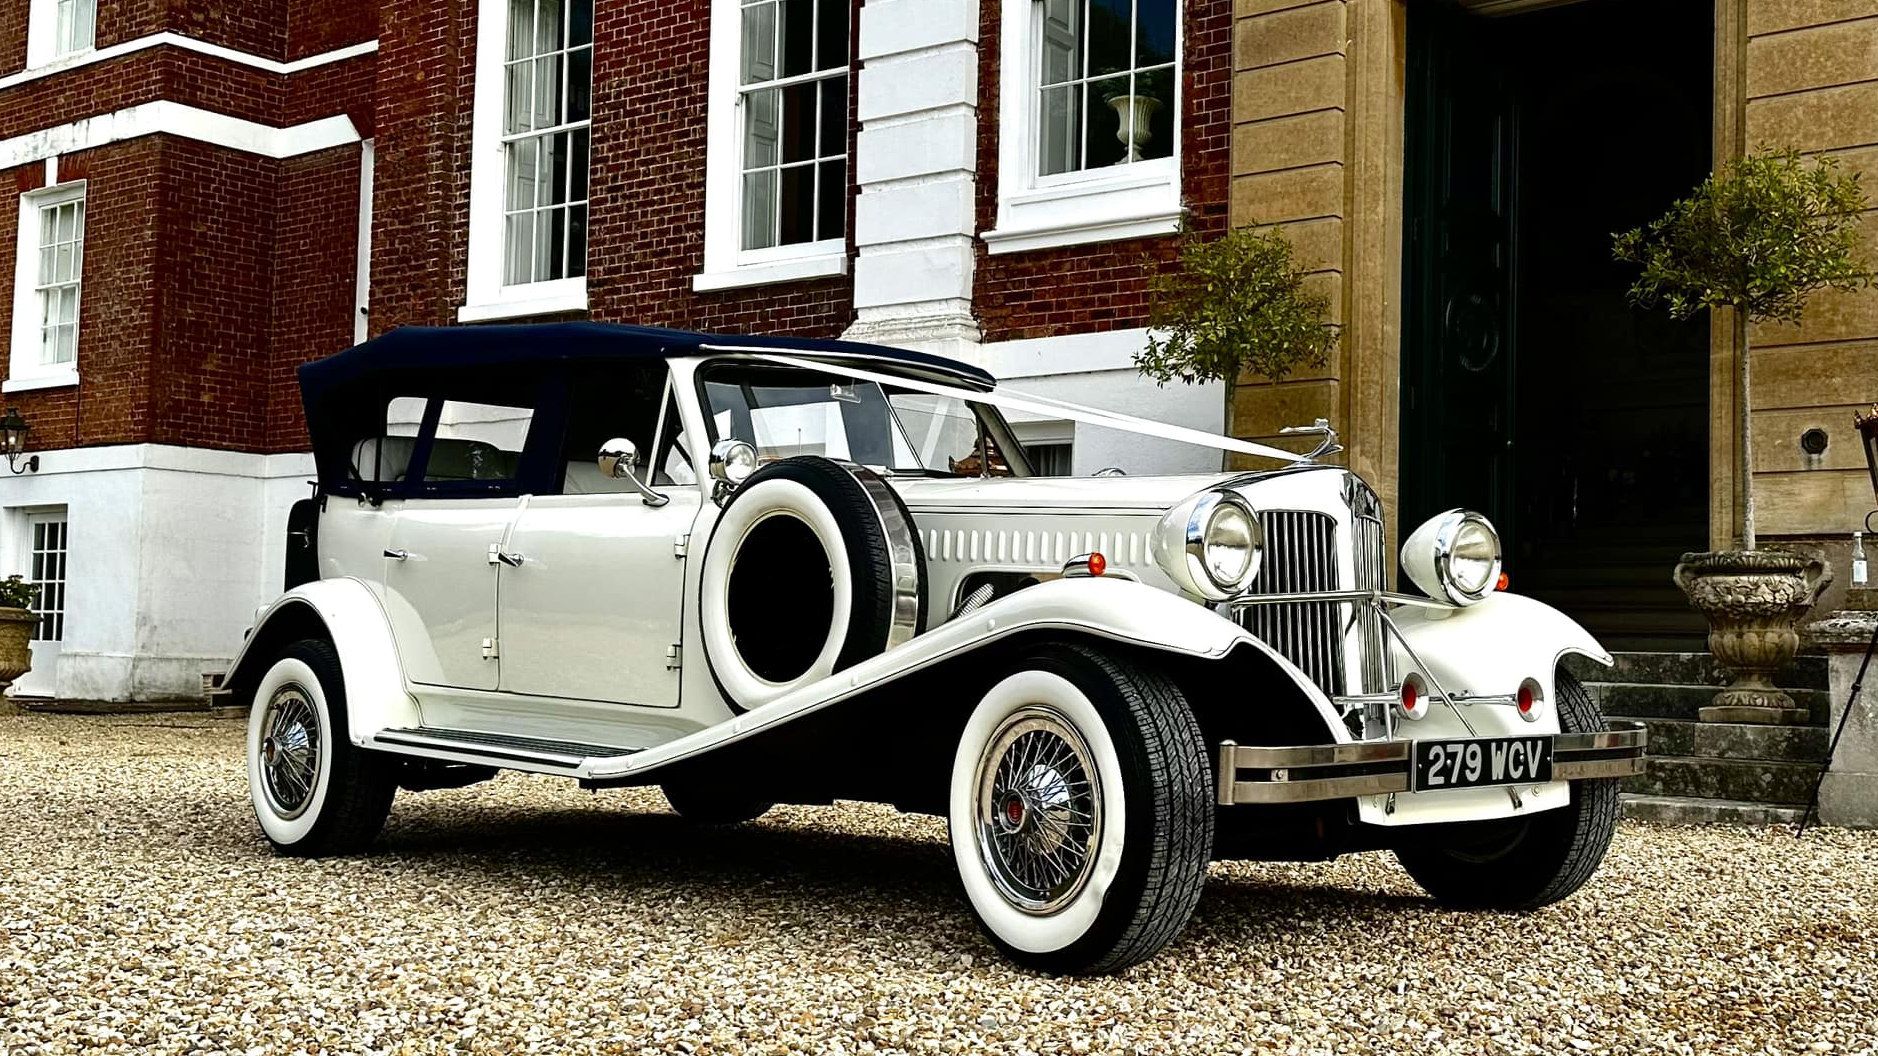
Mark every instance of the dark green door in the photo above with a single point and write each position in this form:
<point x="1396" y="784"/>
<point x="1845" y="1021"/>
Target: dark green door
<point x="1458" y="351"/>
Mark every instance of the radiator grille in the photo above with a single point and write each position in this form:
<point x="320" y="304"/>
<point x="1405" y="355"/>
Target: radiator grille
<point x="1371" y="574"/>
<point x="1300" y="556"/>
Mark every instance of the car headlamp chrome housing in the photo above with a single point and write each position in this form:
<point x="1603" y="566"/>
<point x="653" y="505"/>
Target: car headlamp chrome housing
<point x="732" y="461"/>
<point x="1210" y="545"/>
<point x="1454" y="556"/>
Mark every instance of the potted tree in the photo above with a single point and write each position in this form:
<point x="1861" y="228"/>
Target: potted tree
<point x="17" y="620"/>
<point x="1759" y="237"/>
<point x="1233" y="305"/>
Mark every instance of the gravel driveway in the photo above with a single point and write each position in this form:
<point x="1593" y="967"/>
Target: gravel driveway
<point x="140" y="911"/>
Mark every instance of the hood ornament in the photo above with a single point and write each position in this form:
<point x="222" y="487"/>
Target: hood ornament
<point x="1326" y="446"/>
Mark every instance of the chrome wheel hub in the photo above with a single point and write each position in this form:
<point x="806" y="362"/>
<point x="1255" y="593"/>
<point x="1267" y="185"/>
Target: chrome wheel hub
<point x="1039" y="810"/>
<point x="290" y="751"/>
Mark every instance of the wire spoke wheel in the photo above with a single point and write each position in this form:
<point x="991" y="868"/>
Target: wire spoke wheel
<point x="290" y="750"/>
<point x="1039" y="810"/>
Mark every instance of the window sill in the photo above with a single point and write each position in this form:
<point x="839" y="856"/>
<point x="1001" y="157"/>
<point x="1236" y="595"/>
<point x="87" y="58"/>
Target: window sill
<point x="516" y="303"/>
<point x="61" y="380"/>
<point x="822" y="266"/>
<point x="1092" y="229"/>
<point x="1133" y="205"/>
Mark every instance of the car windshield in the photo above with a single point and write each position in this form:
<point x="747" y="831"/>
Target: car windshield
<point x="785" y="412"/>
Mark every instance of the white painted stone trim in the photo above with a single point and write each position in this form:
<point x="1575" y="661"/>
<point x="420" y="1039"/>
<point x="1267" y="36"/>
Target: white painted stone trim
<point x="177" y="40"/>
<point x="540" y="298"/>
<point x="181" y="120"/>
<point x="786" y="270"/>
<point x="1085" y="353"/>
<point x="1035" y="212"/>
<point x="63" y="379"/>
<point x="916" y="163"/>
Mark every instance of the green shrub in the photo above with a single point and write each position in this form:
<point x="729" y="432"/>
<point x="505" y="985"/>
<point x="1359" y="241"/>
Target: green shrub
<point x="1760" y="236"/>
<point x="16" y="593"/>
<point x="1235" y="303"/>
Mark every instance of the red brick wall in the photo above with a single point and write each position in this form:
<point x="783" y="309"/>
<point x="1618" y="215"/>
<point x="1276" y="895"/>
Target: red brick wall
<point x="317" y="26"/>
<point x="1100" y="286"/>
<point x="420" y="208"/>
<point x="116" y="313"/>
<point x="646" y="183"/>
<point x="315" y="264"/>
<point x="213" y="292"/>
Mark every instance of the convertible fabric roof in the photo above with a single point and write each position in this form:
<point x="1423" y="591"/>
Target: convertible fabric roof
<point x="413" y="348"/>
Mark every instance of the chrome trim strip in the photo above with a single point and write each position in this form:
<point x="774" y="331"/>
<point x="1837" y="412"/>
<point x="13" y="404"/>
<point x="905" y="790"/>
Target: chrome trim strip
<point x="901" y="552"/>
<point x="1293" y="772"/>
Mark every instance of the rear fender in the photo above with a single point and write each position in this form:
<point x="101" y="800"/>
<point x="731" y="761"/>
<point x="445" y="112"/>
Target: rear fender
<point x="347" y="614"/>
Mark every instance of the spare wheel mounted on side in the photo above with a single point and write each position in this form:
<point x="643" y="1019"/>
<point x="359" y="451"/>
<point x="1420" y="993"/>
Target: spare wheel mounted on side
<point x="812" y="567"/>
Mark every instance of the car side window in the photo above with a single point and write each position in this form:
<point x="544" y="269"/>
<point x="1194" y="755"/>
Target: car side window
<point x="622" y="402"/>
<point x="386" y="458"/>
<point x="477" y="442"/>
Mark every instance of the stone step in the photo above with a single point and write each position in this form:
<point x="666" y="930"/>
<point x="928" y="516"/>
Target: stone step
<point x="1692" y="810"/>
<point x="1738" y="740"/>
<point x="1690" y="669"/>
<point x="1635" y="700"/>
<point x="1753" y="780"/>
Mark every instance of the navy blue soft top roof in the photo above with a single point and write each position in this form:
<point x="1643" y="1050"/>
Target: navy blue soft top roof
<point x="493" y="347"/>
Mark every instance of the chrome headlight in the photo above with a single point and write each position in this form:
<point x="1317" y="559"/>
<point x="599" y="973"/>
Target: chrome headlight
<point x="1454" y="555"/>
<point x="732" y="461"/>
<point x="1210" y="544"/>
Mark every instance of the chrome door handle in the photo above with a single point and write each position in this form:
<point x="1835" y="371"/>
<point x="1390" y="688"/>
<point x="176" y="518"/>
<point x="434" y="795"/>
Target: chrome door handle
<point x="397" y="555"/>
<point x="496" y="553"/>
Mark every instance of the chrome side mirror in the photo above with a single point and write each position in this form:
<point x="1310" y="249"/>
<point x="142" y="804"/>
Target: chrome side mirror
<point x="618" y="457"/>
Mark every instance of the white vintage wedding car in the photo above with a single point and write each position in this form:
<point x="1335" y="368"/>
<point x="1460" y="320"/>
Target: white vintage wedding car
<point x="759" y="570"/>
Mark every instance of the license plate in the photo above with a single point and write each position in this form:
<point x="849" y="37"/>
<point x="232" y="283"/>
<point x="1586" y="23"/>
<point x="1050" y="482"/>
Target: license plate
<point x="1481" y="762"/>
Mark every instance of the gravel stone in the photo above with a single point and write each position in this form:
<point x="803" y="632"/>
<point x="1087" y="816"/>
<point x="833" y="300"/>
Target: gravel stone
<point x="142" y="912"/>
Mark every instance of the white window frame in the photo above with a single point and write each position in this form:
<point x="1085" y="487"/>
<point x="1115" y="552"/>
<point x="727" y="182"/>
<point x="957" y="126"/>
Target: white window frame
<point x="727" y="265"/>
<point x="486" y="296"/>
<point x="43" y="46"/>
<point x="25" y="371"/>
<point x="1072" y="208"/>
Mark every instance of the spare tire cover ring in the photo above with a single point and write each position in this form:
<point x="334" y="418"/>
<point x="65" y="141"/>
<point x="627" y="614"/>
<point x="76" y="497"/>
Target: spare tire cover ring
<point x="813" y="499"/>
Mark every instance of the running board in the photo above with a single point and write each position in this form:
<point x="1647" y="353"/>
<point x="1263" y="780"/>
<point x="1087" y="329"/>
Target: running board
<point x="511" y="750"/>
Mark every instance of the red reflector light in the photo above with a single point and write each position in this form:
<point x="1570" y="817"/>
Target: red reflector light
<point x="1505" y="582"/>
<point x="1410" y="697"/>
<point x="1098" y="564"/>
<point x="1525" y="699"/>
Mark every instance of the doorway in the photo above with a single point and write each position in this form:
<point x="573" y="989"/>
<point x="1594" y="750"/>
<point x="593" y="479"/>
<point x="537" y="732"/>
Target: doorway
<point x="1532" y="390"/>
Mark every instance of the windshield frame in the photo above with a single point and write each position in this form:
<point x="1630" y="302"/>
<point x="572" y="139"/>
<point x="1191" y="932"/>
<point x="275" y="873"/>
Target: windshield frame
<point x="991" y="422"/>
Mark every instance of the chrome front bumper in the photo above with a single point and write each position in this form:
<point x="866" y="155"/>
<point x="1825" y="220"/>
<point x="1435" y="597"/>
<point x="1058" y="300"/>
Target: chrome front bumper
<point x="1343" y="771"/>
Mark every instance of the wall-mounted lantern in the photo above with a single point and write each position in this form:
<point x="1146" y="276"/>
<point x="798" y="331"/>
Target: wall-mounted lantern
<point x="13" y="430"/>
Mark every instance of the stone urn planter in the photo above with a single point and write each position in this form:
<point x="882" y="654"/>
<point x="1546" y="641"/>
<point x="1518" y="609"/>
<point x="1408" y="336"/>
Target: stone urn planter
<point x="1754" y="600"/>
<point x="16" y="654"/>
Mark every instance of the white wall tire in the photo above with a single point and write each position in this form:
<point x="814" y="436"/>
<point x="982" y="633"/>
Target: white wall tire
<point x="1117" y="858"/>
<point x="1522" y="863"/>
<point x="805" y="574"/>
<point x="313" y="791"/>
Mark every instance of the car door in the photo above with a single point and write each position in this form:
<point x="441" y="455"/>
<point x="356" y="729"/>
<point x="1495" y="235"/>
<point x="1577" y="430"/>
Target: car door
<point x="591" y="609"/>
<point x="440" y="588"/>
<point x="448" y="540"/>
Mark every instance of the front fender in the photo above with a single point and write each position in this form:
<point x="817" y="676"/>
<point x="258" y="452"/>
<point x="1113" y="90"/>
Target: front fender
<point x="1494" y="645"/>
<point x="350" y="617"/>
<point x="1108" y="607"/>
